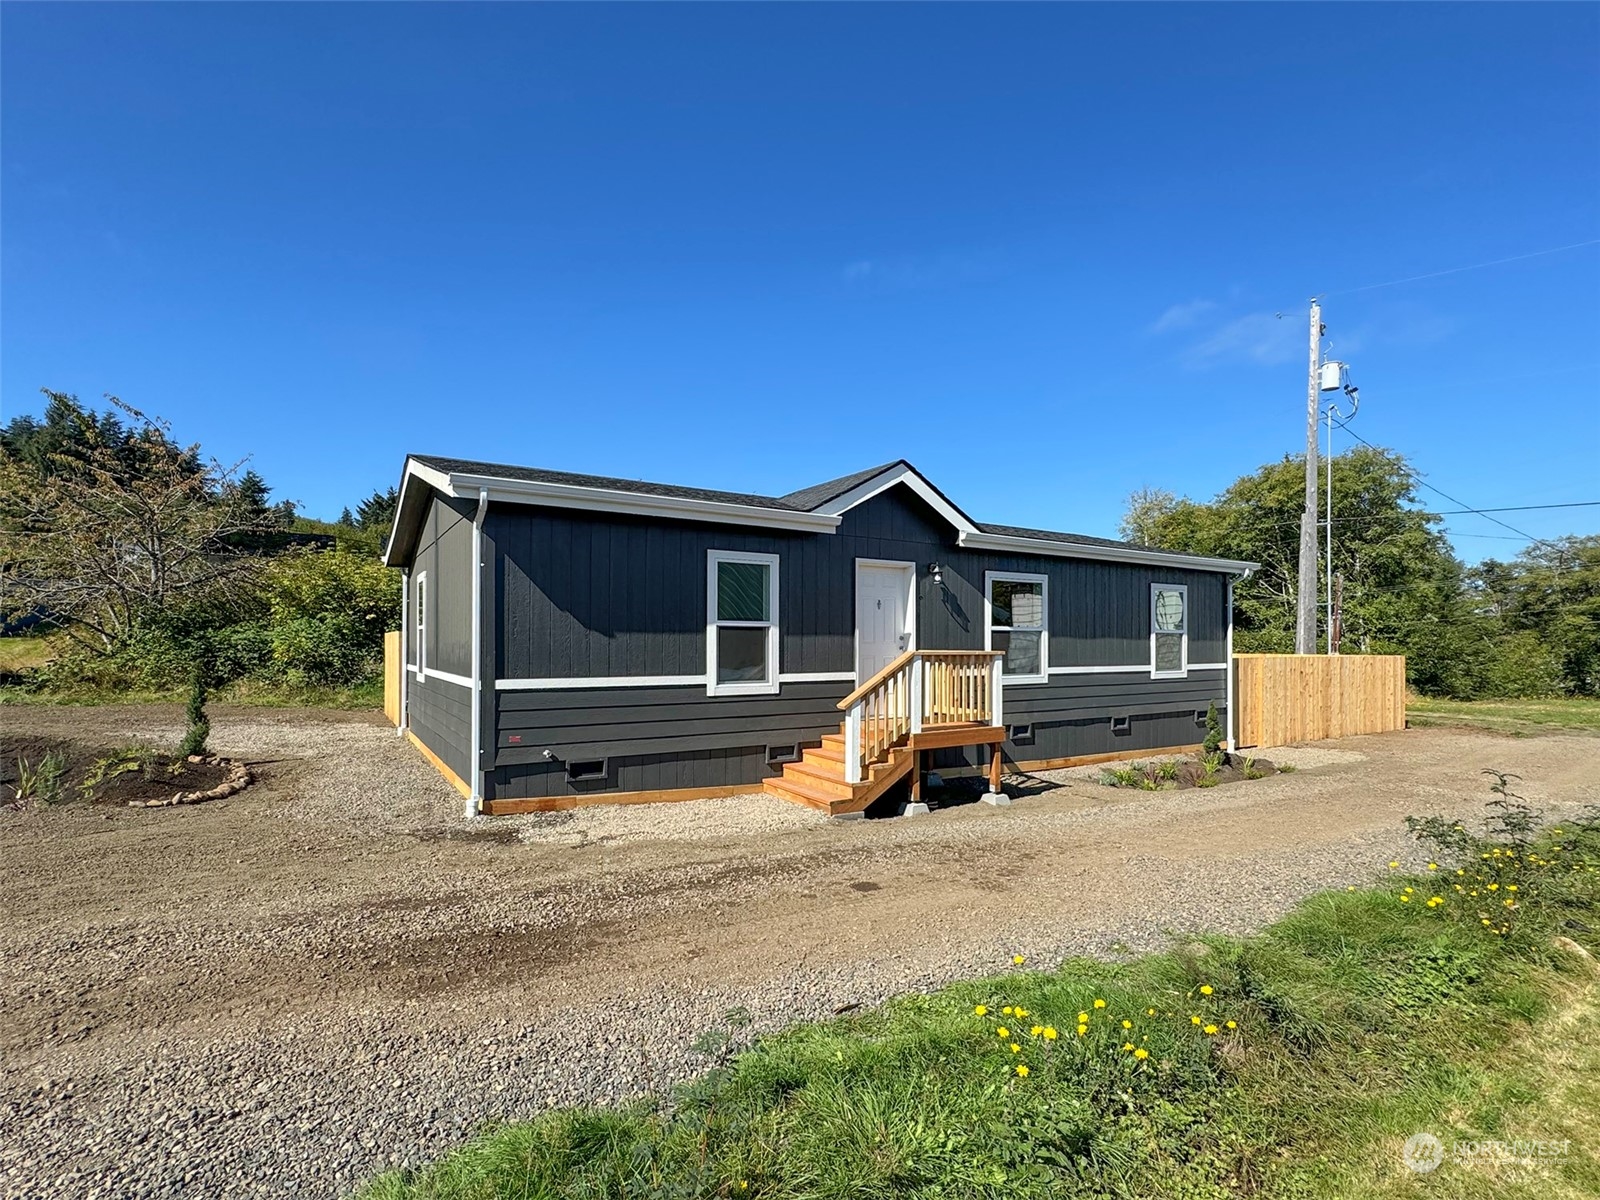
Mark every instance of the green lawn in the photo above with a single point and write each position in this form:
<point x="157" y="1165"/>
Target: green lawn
<point x="1508" y="716"/>
<point x="1296" y="1063"/>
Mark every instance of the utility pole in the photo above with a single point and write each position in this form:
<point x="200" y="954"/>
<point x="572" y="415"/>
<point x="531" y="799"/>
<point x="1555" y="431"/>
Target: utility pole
<point x="1333" y="642"/>
<point x="1305" y="625"/>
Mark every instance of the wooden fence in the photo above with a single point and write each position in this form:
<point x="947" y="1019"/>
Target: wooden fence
<point x="1286" y="698"/>
<point x="393" y="664"/>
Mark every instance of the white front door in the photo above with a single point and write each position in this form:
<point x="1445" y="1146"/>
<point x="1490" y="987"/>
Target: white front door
<point x="885" y="617"/>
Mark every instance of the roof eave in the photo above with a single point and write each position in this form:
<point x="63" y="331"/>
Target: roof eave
<point x="1128" y="554"/>
<point x="613" y="500"/>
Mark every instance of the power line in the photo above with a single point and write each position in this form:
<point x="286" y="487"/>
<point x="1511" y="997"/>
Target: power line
<point x="1456" y="512"/>
<point x="1454" y="499"/>
<point x="1494" y="262"/>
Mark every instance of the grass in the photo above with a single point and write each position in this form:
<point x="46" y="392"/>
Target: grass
<point x="1357" y="1021"/>
<point x="1520" y="717"/>
<point x="29" y="651"/>
<point x="364" y="695"/>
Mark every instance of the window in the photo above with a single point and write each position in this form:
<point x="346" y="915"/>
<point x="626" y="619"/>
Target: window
<point x="1169" y="631"/>
<point x="422" y="623"/>
<point x="1017" y="606"/>
<point x="741" y="623"/>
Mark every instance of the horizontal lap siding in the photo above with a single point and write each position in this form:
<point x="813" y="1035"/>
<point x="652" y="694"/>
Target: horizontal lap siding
<point x="1071" y="715"/>
<point x="677" y="734"/>
<point x="440" y="715"/>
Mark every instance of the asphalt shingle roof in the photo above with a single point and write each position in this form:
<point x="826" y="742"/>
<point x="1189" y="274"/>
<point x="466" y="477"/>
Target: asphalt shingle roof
<point x="805" y="500"/>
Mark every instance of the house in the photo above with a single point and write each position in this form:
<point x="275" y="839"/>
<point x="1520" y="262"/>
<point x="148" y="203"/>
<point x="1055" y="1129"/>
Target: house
<point x="577" y="639"/>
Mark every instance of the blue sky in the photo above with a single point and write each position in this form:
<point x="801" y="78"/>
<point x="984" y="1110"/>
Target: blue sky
<point x="1037" y="250"/>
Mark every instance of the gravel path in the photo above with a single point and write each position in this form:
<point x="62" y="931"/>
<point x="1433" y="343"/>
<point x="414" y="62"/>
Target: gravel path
<point x="334" y="973"/>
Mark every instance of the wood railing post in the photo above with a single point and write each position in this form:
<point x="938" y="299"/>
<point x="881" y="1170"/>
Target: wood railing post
<point x="852" y="744"/>
<point x="918" y="693"/>
<point x="996" y="706"/>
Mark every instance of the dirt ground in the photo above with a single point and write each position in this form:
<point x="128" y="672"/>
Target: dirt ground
<point x="342" y="906"/>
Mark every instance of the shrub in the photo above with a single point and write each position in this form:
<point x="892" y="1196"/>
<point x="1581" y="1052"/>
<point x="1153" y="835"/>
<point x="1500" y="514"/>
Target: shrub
<point x="195" y="737"/>
<point x="1214" y="739"/>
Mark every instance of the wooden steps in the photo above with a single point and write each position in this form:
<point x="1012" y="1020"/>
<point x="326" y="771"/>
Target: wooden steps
<point x="817" y="780"/>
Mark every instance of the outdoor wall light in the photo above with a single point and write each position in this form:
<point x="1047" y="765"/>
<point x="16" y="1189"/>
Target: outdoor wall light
<point x="936" y="572"/>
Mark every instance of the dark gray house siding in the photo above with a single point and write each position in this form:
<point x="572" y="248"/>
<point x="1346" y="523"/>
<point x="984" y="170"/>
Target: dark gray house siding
<point x="578" y="595"/>
<point x="439" y="711"/>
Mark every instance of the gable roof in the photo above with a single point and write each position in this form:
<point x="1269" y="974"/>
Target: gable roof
<point x="815" y="509"/>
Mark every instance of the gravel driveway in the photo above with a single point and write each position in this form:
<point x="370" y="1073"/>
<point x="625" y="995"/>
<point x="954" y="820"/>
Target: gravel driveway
<point x="334" y="973"/>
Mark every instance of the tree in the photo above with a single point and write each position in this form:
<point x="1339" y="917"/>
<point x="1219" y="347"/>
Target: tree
<point x="1396" y="562"/>
<point x="108" y="524"/>
<point x="377" y="512"/>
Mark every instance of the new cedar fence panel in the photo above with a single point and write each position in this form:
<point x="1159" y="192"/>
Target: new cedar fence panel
<point x="393" y="664"/>
<point x="1287" y="698"/>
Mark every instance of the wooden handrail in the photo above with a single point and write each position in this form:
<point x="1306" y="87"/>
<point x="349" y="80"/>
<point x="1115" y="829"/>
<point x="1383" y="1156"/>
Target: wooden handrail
<point x="877" y="679"/>
<point x="903" y="660"/>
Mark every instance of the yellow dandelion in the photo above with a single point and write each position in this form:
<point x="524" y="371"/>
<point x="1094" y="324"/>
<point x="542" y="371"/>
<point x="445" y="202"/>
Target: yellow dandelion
<point x="1210" y="1029"/>
<point x="1006" y="1010"/>
<point x="1205" y="989"/>
<point x="1141" y="1052"/>
<point x="1128" y="1046"/>
<point x="1019" y="1012"/>
<point x="1022" y="1069"/>
<point x="1233" y="1024"/>
<point x="1016" y="1049"/>
<point x="982" y="1010"/>
<point x="1036" y="1031"/>
<point x="1018" y="959"/>
<point x="1494" y="887"/>
<point x="1194" y="1020"/>
<point x="1127" y="1024"/>
<point x="1405" y="899"/>
<point x="1149" y="1012"/>
<point x="1082" y="1017"/>
<point x="1393" y="865"/>
<point x="1082" y="1029"/>
<point x="1002" y="1032"/>
<point x="1433" y="866"/>
<point x="1049" y="1033"/>
<point x="1511" y="887"/>
<point x="1099" y="1003"/>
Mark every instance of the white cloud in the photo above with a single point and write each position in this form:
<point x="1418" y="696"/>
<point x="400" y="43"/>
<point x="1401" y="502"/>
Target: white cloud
<point x="1262" y="337"/>
<point x="1182" y="316"/>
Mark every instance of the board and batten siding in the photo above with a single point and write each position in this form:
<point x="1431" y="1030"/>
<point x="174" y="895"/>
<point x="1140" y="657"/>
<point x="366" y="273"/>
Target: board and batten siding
<point x="444" y="551"/>
<point x="579" y="596"/>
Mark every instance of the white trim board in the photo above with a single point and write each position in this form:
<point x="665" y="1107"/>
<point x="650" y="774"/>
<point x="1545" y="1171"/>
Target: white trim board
<point x="643" y="681"/>
<point x="426" y="673"/>
<point x="990" y="578"/>
<point x="1133" y="669"/>
<point x="1017" y="545"/>
<point x="863" y="492"/>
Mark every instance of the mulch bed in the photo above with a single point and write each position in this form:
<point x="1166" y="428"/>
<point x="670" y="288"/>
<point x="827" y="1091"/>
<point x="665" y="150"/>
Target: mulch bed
<point x="1190" y="772"/>
<point x="163" y="781"/>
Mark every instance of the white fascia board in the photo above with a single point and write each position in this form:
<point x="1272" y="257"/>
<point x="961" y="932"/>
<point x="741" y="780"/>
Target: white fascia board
<point x="863" y="492"/>
<point x="429" y="476"/>
<point x="680" y="508"/>
<point x="1154" y="558"/>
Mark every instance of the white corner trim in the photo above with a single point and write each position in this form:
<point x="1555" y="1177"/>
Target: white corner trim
<point x="817" y="677"/>
<point x="907" y="475"/>
<point x="599" y="681"/>
<point x="1016" y="545"/>
<point x="444" y="676"/>
<point x="1131" y="669"/>
<point x="477" y="653"/>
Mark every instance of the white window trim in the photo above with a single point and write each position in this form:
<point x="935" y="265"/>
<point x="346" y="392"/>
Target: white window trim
<point x="989" y="580"/>
<point x="768" y="686"/>
<point x="1169" y="587"/>
<point x="421" y="624"/>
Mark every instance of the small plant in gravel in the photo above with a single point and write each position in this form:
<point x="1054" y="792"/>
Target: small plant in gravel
<point x="1122" y="776"/>
<point x="1287" y="768"/>
<point x="1251" y="771"/>
<point x="1167" y="771"/>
